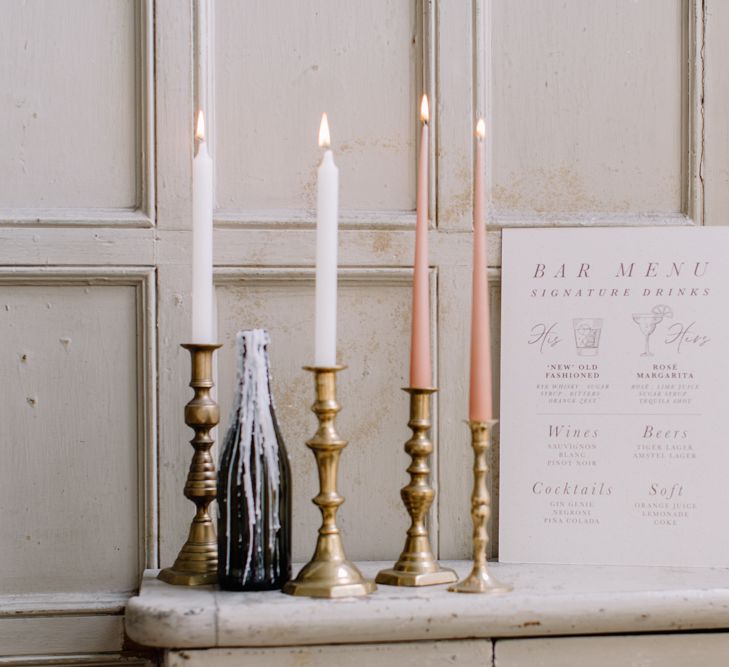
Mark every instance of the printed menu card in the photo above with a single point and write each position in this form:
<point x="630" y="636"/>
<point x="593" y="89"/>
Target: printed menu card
<point x="615" y="396"/>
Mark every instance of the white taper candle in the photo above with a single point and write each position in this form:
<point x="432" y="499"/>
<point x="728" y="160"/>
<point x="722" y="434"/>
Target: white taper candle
<point x="202" y="240"/>
<point x="327" y="213"/>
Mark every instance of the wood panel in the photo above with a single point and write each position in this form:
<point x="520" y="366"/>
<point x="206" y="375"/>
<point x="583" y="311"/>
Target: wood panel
<point x="76" y="103"/>
<point x="78" y="660"/>
<point x="697" y="650"/>
<point x="359" y="62"/>
<point x="457" y="110"/>
<point x="406" y="654"/>
<point x="374" y="414"/>
<point x="716" y="157"/>
<point x="616" y="136"/>
<point x="102" y="247"/>
<point x="74" y="346"/>
<point x="174" y="113"/>
<point x="455" y="462"/>
<point x="589" y="107"/>
<point x="85" y="634"/>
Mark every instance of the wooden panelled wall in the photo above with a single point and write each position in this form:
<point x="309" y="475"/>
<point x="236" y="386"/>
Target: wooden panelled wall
<point x="600" y="112"/>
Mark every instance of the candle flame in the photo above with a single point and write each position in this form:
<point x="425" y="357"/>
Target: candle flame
<point x="424" y="110"/>
<point x="324" y="140"/>
<point x="481" y="129"/>
<point x="200" y="129"/>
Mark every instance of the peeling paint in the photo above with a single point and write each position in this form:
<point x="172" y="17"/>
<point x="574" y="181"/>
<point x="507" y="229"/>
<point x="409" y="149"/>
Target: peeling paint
<point x="546" y="190"/>
<point x="381" y="243"/>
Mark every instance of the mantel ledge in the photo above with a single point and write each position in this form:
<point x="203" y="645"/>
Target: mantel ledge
<point x="547" y="600"/>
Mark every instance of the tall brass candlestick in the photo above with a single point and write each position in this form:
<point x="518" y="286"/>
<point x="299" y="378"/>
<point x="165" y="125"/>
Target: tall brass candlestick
<point x="328" y="574"/>
<point x="197" y="562"/>
<point x="417" y="565"/>
<point x="479" y="580"/>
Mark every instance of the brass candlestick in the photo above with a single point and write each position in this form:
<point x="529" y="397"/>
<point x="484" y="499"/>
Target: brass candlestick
<point x="479" y="580"/>
<point x="328" y="574"/>
<point x="417" y="565"/>
<point x="197" y="562"/>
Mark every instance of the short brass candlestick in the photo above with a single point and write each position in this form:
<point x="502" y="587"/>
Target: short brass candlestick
<point x="328" y="574"/>
<point x="479" y="580"/>
<point x="197" y="562"/>
<point x="417" y="565"/>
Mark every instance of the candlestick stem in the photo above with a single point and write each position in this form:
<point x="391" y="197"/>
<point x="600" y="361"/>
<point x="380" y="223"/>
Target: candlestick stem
<point x="417" y="565"/>
<point x="328" y="574"/>
<point x="197" y="562"/>
<point x="480" y="580"/>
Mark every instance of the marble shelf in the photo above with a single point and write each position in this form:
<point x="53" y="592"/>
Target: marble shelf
<point x="547" y="600"/>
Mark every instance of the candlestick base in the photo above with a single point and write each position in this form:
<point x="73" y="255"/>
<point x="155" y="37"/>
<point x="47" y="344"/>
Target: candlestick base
<point x="324" y="577"/>
<point x="197" y="562"/>
<point x="479" y="580"/>
<point x="328" y="574"/>
<point x="417" y="565"/>
<point x="400" y="577"/>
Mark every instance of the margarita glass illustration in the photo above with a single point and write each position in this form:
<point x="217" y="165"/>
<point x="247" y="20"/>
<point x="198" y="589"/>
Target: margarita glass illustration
<point x="647" y="323"/>
<point x="587" y="335"/>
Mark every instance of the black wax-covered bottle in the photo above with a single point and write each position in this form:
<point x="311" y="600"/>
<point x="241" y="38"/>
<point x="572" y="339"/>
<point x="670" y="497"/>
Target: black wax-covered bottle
<point x="254" y="480"/>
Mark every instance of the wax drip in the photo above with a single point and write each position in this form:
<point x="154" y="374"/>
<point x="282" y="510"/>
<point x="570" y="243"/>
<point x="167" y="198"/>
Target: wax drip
<point x="255" y="445"/>
<point x="254" y="482"/>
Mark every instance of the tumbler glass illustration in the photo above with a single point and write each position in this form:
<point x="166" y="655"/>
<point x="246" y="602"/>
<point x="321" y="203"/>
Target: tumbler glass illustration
<point x="587" y="335"/>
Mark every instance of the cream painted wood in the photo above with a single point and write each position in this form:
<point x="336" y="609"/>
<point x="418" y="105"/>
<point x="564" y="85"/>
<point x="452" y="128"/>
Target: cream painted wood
<point x="405" y="654"/>
<point x="455" y="457"/>
<point x="696" y="650"/>
<point x="715" y="174"/>
<point x="101" y="247"/>
<point x="694" y="125"/>
<point x="175" y="453"/>
<point x="262" y="247"/>
<point x="374" y="410"/>
<point x="455" y="452"/>
<point x="204" y="65"/>
<point x="547" y="600"/>
<point x="113" y="226"/>
<point x="358" y="62"/>
<point x="174" y="115"/>
<point x="60" y="634"/>
<point x="78" y="83"/>
<point x="456" y="114"/>
<point x="588" y="105"/>
<point x="77" y="105"/>
<point x="77" y="660"/>
<point x="74" y="323"/>
<point x="175" y="92"/>
<point x="43" y="604"/>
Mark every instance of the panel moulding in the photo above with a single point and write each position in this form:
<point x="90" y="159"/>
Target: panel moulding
<point x="143" y="214"/>
<point x="424" y="82"/>
<point x="692" y="153"/>
<point x="693" y="45"/>
<point x="376" y="276"/>
<point x="143" y="280"/>
<point x="292" y="219"/>
<point x="347" y="276"/>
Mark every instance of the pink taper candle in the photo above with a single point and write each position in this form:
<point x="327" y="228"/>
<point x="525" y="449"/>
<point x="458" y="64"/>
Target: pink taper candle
<point x="480" y="404"/>
<point x="420" y="370"/>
